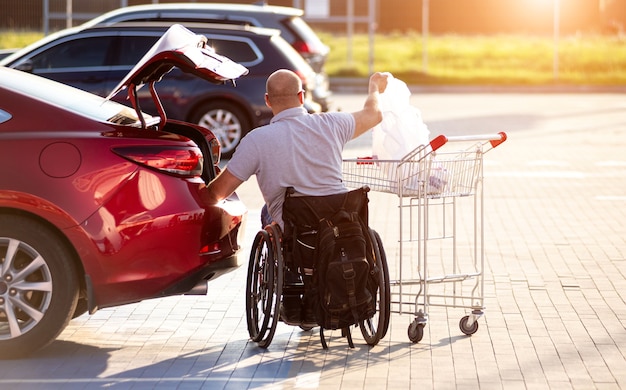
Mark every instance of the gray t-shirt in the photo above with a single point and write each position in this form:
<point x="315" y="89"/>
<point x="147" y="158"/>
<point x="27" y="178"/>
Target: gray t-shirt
<point x="298" y="150"/>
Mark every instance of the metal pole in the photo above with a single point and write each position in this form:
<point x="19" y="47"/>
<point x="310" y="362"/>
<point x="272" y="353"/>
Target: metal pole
<point x="555" y="66"/>
<point x="425" y="17"/>
<point x="372" y="32"/>
<point x="46" y="17"/>
<point x="68" y="13"/>
<point x="350" y="29"/>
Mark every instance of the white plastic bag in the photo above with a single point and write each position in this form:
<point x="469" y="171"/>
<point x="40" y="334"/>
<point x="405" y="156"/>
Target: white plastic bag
<point x="400" y="132"/>
<point x="402" y="129"/>
<point x="438" y="179"/>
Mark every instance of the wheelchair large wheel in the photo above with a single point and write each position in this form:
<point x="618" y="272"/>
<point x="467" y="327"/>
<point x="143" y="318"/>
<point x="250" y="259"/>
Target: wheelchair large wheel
<point x="375" y="328"/>
<point x="387" y="283"/>
<point x="264" y="286"/>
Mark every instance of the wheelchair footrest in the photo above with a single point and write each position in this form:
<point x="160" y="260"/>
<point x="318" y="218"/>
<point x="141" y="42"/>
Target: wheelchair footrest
<point x="294" y="312"/>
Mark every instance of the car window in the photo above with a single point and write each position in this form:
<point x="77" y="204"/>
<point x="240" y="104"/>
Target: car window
<point x="133" y="48"/>
<point x="244" y="51"/>
<point x="77" y="53"/>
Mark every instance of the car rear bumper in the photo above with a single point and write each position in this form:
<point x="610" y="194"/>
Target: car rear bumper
<point x="197" y="284"/>
<point x="166" y="251"/>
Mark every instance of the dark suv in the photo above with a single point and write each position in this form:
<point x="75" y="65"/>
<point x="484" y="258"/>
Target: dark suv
<point x="96" y="58"/>
<point x="286" y="19"/>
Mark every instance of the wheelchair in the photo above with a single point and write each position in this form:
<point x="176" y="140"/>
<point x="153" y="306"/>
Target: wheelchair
<point x="281" y="265"/>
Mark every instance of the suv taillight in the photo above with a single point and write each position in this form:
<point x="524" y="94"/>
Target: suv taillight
<point x="180" y="161"/>
<point x="303" y="47"/>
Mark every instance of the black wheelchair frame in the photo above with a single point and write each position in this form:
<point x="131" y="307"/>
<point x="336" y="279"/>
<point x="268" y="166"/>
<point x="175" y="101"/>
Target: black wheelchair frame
<point x="272" y="267"/>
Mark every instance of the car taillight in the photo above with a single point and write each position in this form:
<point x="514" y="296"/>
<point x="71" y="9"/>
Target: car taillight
<point x="303" y="48"/>
<point x="184" y="161"/>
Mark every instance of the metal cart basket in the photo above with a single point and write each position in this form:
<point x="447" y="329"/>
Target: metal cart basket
<point x="440" y="251"/>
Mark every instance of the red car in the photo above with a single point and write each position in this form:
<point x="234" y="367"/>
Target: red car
<point x="100" y="204"/>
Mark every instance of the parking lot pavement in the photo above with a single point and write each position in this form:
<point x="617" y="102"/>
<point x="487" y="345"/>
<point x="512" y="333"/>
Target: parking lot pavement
<point x="555" y="287"/>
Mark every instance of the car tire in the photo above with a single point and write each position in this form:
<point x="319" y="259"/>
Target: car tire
<point x="82" y="307"/>
<point x="38" y="286"/>
<point x="226" y="120"/>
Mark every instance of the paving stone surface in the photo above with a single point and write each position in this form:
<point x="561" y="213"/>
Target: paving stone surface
<point x="554" y="279"/>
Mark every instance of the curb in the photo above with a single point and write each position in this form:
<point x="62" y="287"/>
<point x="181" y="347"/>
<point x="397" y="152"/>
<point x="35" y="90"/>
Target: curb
<point x="359" y="85"/>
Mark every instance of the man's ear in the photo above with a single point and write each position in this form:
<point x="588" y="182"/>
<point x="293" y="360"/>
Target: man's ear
<point x="267" y="101"/>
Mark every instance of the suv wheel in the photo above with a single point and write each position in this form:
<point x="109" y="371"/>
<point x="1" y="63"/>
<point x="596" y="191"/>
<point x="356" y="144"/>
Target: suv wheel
<point x="226" y="120"/>
<point x="38" y="286"/>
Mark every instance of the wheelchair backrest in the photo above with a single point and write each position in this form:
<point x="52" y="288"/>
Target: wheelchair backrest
<point x="307" y="211"/>
<point x="302" y="216"/>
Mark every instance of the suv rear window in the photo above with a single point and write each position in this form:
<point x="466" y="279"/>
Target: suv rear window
<point x="242" y="51"/>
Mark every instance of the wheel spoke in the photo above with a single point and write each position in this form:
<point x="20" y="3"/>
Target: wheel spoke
<point x="9" y="256"/>
<point x="36" y="286"/>
<point x="33" y="266"/>
<point x="14" y="326"/>
<point x="369" y="323"/>
<point x="29" y="310"/>
<point x="213" y="122"/>
<point x="232" y="128"/>
<point x="226" y="116"/>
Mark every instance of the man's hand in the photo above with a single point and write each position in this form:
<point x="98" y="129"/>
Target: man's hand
<point x="220" y="188"/>
<point x="371" y="115"/>
<point x="378" y="82"/>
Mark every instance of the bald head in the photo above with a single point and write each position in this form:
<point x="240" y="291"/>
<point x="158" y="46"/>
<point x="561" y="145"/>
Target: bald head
<point x="283" y="90"/>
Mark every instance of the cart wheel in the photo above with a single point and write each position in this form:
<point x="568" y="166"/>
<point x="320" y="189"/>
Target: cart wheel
<point x="264" y="288"/>
<point x="416" y="331"/>
<point x="375" y="328"/>
<point x="468" y="330"/>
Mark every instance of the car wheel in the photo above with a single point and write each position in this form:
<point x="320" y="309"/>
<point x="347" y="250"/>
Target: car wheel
<point x="226" y="120"/>
<point x="38" y="286"/>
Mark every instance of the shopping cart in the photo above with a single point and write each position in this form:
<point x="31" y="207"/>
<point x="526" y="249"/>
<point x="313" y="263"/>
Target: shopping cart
<point x="440" y="251"/>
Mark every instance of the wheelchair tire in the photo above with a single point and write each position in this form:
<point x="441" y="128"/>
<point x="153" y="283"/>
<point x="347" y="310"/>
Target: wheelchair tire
<point x="264" y="286"/>
<point x="258" y="291"/>
<point x="375" y="328"/>
<point x="277" y="276"/>
<point x="387" y="283"/>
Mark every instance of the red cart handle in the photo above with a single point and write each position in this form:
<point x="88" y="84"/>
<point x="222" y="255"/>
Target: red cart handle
<point x="494" y="139"/>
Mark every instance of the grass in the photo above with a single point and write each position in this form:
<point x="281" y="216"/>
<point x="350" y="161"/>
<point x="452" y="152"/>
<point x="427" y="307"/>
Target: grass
<point x="11" y="40"/>
<point x="479" y="60"/>
<point x="465" y="60"/>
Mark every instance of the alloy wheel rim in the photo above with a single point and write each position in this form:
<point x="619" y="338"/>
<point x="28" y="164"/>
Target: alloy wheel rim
<point x="25" y="288"/>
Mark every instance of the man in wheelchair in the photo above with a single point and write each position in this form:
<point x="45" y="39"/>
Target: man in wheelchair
<point x="296" y="151"/>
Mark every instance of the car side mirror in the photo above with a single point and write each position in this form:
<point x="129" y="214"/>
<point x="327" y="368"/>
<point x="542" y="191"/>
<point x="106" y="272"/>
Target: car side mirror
<point x="26" y="66"/>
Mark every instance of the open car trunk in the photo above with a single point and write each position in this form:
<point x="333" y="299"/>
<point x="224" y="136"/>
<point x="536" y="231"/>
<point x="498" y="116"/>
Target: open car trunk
<point x="180" y="47"/>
